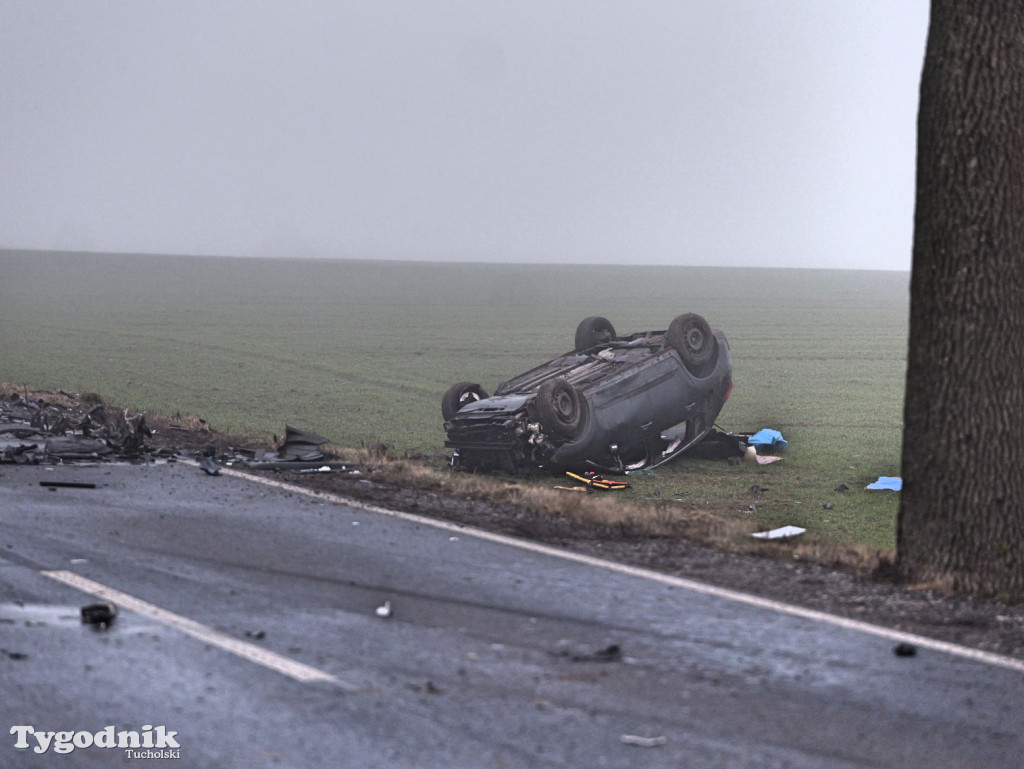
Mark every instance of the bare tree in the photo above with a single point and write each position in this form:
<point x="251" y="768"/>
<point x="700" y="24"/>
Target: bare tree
<point x="961" y="518"/>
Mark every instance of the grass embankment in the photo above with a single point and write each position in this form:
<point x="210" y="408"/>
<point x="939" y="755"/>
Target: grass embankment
<point x="361" y="352"/>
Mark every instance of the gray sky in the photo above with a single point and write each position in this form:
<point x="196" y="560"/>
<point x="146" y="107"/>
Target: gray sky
<point x="739" y="132"/>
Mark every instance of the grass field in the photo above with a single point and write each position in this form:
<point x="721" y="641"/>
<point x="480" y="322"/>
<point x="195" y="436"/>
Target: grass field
<point x="362" y="351"/>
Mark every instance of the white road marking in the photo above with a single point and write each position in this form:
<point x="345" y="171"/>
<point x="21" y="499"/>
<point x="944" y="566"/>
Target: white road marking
<point x="267" y="659"/>
<point x="965" y="652"/>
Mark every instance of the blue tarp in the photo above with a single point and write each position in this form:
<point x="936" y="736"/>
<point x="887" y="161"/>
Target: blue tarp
<point x="771" y="439"/>
<point x="886" y="482"/>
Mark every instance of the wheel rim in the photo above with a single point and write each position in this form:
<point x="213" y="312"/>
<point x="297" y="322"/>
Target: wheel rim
<point x="695" y="339"/>
<point x="565" y="406"/>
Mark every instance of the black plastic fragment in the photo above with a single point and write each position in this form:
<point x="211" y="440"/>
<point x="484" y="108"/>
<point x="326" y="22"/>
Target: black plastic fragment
<point x="209" y="465"/>
<point x="67" y="484"/>
<point x="100" y="615"/>
<point x="301" y="445"/>
<point x="904" y="649"/>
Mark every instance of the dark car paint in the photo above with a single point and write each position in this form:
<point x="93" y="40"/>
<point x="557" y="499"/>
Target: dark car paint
<point x="633" y="391"/>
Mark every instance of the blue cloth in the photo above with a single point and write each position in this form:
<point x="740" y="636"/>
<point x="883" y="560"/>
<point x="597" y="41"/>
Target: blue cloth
<point x="769" y="438"/>
<point x="885" y="482"/>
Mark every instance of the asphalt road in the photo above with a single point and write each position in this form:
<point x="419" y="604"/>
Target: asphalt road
<point x="248" y="628"/>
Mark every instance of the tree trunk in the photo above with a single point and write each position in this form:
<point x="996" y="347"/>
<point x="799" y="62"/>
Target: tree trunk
<point x="961" y="518"/>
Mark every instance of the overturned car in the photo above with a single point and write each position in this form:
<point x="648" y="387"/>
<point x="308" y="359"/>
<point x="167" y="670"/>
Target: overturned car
<point x="615" y="403"/>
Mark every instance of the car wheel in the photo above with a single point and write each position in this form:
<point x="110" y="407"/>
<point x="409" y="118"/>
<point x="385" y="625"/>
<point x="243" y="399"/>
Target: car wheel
<point x="459" y="395"/>
<point x="691" y="337"/>
<point x="560" y="408"/>
<point x="593" y="331"/>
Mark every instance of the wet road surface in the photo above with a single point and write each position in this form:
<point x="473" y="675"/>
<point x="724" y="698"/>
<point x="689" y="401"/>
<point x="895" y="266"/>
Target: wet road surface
<point x="248" y="626"/>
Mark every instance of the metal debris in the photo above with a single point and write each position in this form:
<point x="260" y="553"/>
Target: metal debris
<point x="643" y="742"/>
<point x="301" y="446"/>
<point x="610" y="653"/>
<point x="76" y="433"/>
<point x="209" y="465"/>
<point x="100" y="615"/>
<point x="905" y="649"/>
<point x="67" y="484"/>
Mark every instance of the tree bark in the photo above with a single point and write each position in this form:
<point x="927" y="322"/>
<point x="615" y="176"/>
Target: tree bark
<point x="961" y="518"/>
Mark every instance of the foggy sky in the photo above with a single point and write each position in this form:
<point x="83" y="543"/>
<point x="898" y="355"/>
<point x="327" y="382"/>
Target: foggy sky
<point x="739" y="132"/>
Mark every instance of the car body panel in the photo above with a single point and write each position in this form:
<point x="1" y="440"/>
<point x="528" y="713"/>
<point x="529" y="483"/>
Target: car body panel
<point x="641" y="405"/>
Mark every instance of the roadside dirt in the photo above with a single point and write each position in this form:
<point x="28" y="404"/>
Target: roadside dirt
<point x="975" y="623"/>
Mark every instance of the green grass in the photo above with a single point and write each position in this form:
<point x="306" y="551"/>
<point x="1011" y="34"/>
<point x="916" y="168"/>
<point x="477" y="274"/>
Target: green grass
<point x="361" y="352"/>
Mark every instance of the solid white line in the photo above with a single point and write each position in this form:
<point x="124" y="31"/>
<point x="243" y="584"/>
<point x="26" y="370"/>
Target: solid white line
<point x="965" y="652"/>
<point x="267" y="659"/>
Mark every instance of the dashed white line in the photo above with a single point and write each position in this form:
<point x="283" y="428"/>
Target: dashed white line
<point x="267" y="659"/>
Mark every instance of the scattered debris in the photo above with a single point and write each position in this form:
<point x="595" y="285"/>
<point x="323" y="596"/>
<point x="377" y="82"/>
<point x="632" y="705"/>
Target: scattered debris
<point x="209" y="465"/>
<point x="256" y="635"/>
<point x="593" y="480"/>
<point x="80" y="432"/>
<point x="279" y="465"/>
<point x="719" y="445"/>
<point x="384" y="610"/>
<point x="17" y="656"/>
<point x="70" y="448"/>
<point x="841" y="487"/>
<point x="782" y="533"/>
<point x="827" y="506"/>
<point x="768" y="439"/>
<point x="610" y="653"/>
<point x="904" y="649"/>
<point x="643" y="742"/>
<point x="99" y="615"/>
<point x="886" y="483"/>
<point x="301" y="446"/>
<point x="757" y="489"/>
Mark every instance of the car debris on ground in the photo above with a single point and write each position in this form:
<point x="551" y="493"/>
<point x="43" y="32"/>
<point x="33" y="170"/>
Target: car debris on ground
<point x="905" y="649"/>
<point x="99" y="615"/>
<point x="886" y="483"/>
<point x="37" y="431"/>
<point x="785" y="532"/>
<point x="767" y="439"/>
<point x="208" y="464"/>
<point x="643" y="742"/>
<point x="300" y="451"/>
<point x="67" y="484"/>
<point x="609" y="653"/>
<point x="596" y="481"/>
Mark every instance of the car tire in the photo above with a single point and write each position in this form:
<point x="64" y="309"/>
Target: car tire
<point x="458" y="395"/>
<point x="690" y="336"/>
<point x="592" y="332"/>
<point x="560" y="408"/>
